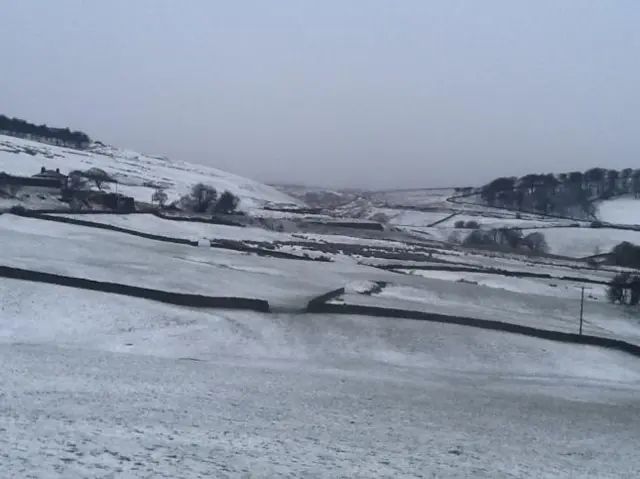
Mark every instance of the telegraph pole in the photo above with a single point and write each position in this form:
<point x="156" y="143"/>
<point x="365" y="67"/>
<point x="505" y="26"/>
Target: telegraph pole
<point x="581" y="308"/>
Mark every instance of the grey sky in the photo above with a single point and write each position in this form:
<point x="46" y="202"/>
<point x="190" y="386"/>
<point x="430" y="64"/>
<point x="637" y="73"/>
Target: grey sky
<point x="395" y="93"/>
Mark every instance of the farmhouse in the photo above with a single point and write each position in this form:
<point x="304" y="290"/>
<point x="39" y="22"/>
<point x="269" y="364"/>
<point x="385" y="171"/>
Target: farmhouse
<point x="47" y="179"/>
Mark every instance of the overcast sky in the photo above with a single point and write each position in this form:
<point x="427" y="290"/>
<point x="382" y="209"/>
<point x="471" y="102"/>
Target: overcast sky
<point x="368" y="93"/>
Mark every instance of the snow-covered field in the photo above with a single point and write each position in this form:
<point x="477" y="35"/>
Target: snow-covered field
<point x="583" y="242"/>
<point x="623" y="211"/>
<point x="101" y="388"/>
<point x="415" y="197"/>
<point x="534" y="305"/>
<point x="136" y="173"/>
<point x="148" y="223"/>
<point x="100" y="385"/>
<point x="503" y="222"/>
<point x="108" y="256"/>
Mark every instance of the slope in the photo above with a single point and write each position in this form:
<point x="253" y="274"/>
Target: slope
<point x="138" y="175"/>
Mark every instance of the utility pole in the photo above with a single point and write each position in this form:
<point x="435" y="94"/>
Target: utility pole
<point x="581" y="308"/>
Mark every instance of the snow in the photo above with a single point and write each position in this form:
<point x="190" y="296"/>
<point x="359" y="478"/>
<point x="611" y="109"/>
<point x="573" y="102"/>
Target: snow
<point x="399" y="217"/>
<point x="531" y="286"/>
<point x="101" y="388"/>
<point x="415" y="197"/>
<point x="134" y="171"/>
<point x="623" y="211"/>
<point x="109" y="256"/>
<point x="583" y="242"/>
<point x="100" y="385"/>
<point x="149" y="223"/>
<point x="554" y="312"/>
<point x="489" y="221"/>
<point x="359" y="287"/>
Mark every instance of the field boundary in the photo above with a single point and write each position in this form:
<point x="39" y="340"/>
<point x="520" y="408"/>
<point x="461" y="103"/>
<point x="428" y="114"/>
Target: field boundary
<point x="455" y="200"/>
<point x="493" y="271"/>
<point x="446" y="218"/>
<point x="217" y="244"/>
<point x="168" y="297"/>
<point x="318" y="302"/>
<point x="320" y="305"/>
<point x="104" y="226"/>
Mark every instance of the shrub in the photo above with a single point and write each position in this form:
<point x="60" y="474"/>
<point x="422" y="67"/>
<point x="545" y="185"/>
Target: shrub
<point x="18" y="210"/>
<point x="454" y="237"/>
<point x="624" y="288"/>
<point x="227" y="203"/>
<point x="380" y="217"/>
<point x="511" y="236"/>
<point x="479" y="238"/>
<point x="459" y="224"/>
<point x="536" y="242"/>
<point x="626" y="254"/>
<point x="472" y="225"/>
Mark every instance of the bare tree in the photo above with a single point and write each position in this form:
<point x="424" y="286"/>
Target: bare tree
<point x="160" y="197"/>
<point x="201" y="199"/>
<point x="99" y="177"/>
<point x="76" y="181"/>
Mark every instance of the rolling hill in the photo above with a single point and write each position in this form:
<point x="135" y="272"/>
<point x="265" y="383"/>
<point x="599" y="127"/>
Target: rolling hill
<point x="138" y="175"/>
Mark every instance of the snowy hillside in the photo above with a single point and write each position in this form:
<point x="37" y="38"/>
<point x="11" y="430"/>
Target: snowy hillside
<point x="137" y="174"/>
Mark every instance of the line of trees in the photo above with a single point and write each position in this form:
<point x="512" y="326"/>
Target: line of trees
<point x="59" y="136"/>
<point x="567" y="194"/>
<point x="512" y="239"/>
<point x="201" y="199"/>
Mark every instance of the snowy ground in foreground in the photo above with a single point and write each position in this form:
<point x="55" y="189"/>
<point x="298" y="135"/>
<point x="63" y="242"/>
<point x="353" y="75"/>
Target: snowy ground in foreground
<point x="298" y="396"/>
<point x="623" y="211"/>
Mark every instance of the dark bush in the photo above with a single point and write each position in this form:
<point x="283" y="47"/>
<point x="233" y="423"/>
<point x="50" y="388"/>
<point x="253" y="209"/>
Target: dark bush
<point x="472" y="225"/>
<point x="510" y="238"/>
<point x="227" y="204"/>
<point x="18" y="210"/>
<point x="479" y="238"/>
<point x="536" y="242"/>
<point x="201" y="199"/>
<point x="459" y="224"/>
<point x="626" y="254"/>
<point x="624" y="289"/>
